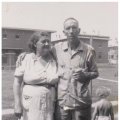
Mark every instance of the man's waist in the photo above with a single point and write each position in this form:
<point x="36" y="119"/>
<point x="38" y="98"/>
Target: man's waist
<point x="74" y="100"/>
<point x="76" y="105"/>
<point x="77" y="98"/>
<point x="77" y="94"/>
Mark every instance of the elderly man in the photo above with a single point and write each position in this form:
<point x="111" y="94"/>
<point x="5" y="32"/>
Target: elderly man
<point x="76" y="66"/>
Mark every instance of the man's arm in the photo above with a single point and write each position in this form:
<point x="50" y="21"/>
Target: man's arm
<point x="90" y="72"/>
<point x="92" y="66"/>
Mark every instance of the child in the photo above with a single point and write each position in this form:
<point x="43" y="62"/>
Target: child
<point x="103" y="108"/>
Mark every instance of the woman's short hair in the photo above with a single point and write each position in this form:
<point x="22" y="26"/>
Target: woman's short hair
<point x="34" y="39"/>
<point x="103" y="92"/>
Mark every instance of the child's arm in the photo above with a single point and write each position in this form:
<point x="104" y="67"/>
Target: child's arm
<point x="112" y="113"/>
<point x="94" y="114"/>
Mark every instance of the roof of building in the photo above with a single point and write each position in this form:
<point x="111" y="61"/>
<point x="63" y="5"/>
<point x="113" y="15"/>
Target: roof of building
<point x="116" y="46"/>
<point x="29" y="29"/>
<point x="97" y="37"/>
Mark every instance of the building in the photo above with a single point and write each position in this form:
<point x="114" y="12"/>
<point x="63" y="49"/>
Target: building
<point x="14" y="41"/>
<point x="100" y="44"/>
<point x="113" y="54"/>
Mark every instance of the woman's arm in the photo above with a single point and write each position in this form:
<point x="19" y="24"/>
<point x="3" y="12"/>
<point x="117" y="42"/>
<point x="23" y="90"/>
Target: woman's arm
<point x="17" y="96"/>
<point x="20" y="59"/>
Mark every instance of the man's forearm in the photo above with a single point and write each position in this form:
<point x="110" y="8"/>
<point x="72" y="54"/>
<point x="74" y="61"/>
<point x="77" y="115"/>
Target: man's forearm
<point x="91" y="75"/>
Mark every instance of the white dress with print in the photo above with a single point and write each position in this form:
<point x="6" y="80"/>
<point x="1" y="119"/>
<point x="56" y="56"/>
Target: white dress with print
<point x="38" y="101"/>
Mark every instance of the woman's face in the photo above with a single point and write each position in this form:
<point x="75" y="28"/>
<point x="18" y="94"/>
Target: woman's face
<point x="43" y="45"/>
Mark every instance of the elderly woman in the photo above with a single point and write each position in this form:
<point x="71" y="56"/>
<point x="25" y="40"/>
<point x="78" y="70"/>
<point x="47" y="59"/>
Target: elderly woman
<point x="38" y="74"/>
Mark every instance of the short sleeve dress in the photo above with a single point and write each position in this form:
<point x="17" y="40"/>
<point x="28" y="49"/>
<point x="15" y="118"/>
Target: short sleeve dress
<point x="38" y="93"/>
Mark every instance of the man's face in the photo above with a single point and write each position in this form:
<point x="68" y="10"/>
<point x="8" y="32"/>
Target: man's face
<point x="71" y="29"/>
<point x="43" y="45"/>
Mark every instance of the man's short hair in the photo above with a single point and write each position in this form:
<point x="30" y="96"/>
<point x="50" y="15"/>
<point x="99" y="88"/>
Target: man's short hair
<point x="71" y="18"/>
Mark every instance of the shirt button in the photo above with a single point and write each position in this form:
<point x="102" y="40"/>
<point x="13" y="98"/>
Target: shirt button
<point x="62" y="66"/>
<point x="70" y="68"/>
<point x="74" y="105"/>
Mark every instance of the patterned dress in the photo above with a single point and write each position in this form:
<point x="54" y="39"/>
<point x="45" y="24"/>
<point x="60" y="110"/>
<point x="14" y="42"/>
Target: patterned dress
<point x="38" y="95"/>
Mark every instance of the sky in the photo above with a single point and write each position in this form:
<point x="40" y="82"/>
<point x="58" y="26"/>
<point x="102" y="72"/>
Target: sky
<point x="99" y="18"/>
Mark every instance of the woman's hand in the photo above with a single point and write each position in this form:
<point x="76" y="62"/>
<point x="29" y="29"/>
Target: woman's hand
<point x="17" y="96"/>
<point x="53" y="79"/>
<point x="18" y="111"/>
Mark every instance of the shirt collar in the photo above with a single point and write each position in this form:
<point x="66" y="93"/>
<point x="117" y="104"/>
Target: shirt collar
<point x="35" y="58"/>
<point x="79" y="48"/>
<point x="65" y="46"/>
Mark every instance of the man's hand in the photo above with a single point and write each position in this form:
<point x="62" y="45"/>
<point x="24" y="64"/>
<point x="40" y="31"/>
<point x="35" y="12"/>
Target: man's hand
<point x="79" y="74"/>
<point x="20" y="59"/>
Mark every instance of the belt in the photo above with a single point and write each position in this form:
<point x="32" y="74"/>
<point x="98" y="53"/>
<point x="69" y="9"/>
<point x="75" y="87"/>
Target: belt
<point x="44" y="85"/>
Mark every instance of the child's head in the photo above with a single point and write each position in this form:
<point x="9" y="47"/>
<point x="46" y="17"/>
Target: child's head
<point x="103" y="92"/>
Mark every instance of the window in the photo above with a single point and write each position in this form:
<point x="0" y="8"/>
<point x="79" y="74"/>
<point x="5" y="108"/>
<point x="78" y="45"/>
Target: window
<point x="112" y="56"/>
<point x="17" y="37"/>
<point x="100" y="46"/>
<point x="4" y="36"/>
<point x="100" y="55"/>
<point x="4" y="59"/>
<point x="117" y="56"/>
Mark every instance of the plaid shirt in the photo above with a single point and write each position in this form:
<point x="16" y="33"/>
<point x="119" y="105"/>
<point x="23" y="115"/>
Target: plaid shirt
<point x="75" y="93"/>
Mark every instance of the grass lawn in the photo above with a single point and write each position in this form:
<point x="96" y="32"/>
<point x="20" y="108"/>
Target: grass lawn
<point x="105" y="71"/>
<point x="108" y="71"/>
<point x="7" y="89"/>
<point x="9" y="117"/>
